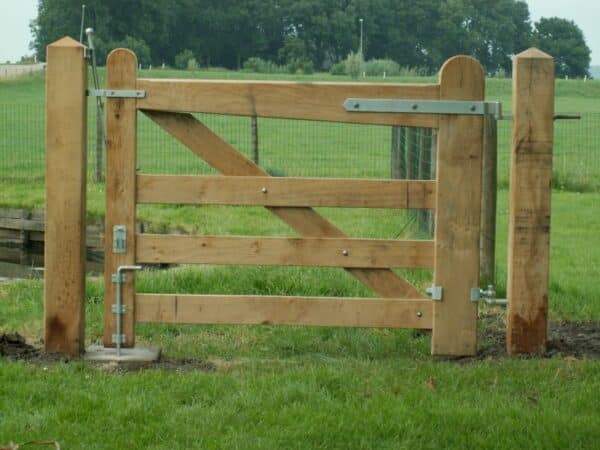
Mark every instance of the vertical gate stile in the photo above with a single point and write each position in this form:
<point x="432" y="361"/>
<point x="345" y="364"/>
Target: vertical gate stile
<point x="121" y="129"/>
<point x="459" y="156"/>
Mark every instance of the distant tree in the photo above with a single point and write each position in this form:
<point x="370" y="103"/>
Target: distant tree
<point x="182" y="59"/>
<point x="563" y="40"/>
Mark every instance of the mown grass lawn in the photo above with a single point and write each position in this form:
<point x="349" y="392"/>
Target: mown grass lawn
<point x="302" y="387"/>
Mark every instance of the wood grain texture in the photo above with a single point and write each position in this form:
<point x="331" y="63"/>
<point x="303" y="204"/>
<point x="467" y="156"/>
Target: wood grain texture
<point x="314" y="311"/>
<point x="286" y="100"/>
<point x="121" y="129"/>
<point x="284" y="191"/>
<point x="530" y="206"/>
<point x="460" y="142"/>
<point x="66" y="164"/>
<point x="307" y="222"/>
<point x="489" y="189"/>
<point x="280" y="251"/>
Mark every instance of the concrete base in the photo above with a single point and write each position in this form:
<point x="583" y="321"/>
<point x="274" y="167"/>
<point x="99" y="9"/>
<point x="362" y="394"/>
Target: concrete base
<point x="136" y="354"/>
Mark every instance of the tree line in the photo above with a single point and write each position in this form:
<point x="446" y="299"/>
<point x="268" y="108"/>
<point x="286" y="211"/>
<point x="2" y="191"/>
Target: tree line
<point x="317" y="33"/>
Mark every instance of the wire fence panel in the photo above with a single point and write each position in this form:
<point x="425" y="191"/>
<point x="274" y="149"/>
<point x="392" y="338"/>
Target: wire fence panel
<point x="298" y="148"/>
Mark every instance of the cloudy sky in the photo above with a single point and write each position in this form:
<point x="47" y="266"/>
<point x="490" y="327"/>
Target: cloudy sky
<point x="15" y="16"/>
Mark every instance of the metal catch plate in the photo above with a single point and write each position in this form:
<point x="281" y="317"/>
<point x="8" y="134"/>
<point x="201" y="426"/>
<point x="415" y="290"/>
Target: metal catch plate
<point x="435" y="292"/>
<point x="117" y="310"/>
<point x="475" y="294"/>
<point x="116" y="93"/>
<point x="455" y="107"/>
<point x="119" y="239"/>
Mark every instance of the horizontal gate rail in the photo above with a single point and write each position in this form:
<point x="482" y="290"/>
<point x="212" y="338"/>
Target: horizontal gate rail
<point x="271" y="191"/>
<point x="271" y="310"/>
<point x="285" y="100"/>
<point x="280" y="251"/>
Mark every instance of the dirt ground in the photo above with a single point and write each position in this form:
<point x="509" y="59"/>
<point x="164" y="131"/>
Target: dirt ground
<point x="566" y="340"/>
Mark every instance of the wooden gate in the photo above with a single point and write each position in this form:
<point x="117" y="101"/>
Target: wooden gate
<point x="455" y="195"/>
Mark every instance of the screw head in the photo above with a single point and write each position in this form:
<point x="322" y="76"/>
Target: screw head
<point x="345" y="252"/>
<point x="419" y="314"/>
<point x="356" y="105"/>
<point x="264" y="190"/>
<point x="415" y="106"/>
<point x="473" y="108"/>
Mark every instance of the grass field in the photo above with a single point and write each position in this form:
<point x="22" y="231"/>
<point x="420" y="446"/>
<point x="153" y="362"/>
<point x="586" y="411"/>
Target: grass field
<point x="292" y="387"/>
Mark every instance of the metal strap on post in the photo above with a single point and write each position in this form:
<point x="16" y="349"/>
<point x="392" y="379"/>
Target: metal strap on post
<point x="112" y="93"/>
<point x="456" y="107"/>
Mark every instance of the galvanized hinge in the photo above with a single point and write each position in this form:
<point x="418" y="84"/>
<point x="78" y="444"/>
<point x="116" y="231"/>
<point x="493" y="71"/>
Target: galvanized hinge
<point x="116" y="93"/>
<point x="454" y="107"/>
<point x="435" y="292"/>
<point x="119" y="239"/>
<point x="119" y="339"/>
<point x="488" y="295"/>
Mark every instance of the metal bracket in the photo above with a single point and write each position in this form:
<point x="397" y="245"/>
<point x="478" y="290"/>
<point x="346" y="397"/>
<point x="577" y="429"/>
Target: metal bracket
<point x="435" y="292"/>
<point x="119" y="309"/>
<point x="119" y="278"/>
<point x="455" y="107"/>
<point x="116" y="93"/>
<point x="87" y="53"/>
<point x="119" y="239"/>
<point x="119" y="339"/>
<point x="488" y="295"/>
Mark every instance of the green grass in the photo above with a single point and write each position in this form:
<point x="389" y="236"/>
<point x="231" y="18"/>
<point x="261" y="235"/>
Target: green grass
<point x="296" y="147"/>
<point x="300" y="387"/>
<point x="306" y="387"/>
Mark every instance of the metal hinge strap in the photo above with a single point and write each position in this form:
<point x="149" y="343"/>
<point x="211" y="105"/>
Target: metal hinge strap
<point x="456" y="107"/>
<point x="116" y="93"/>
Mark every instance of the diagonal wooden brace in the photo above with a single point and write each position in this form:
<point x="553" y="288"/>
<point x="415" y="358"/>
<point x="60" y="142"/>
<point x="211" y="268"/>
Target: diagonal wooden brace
<point x="306" y="221"/>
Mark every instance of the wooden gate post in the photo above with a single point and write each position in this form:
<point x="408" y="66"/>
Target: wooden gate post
<point x="457" y="221"/>
<point x="121" y="131"/>
<point x="64" y="248"/>
<point x="530" y="194"/>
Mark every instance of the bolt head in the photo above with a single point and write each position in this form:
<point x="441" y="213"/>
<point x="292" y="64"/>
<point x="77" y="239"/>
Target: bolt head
<point x="419" y="314"/>
<point x="345" y="252"/>
<point x="264" y="190"/>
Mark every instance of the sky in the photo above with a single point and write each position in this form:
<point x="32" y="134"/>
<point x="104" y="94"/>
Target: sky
<point x="15" y="16"/>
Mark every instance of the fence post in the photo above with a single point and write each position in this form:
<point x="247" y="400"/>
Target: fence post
<point x="121" y="130"/>
<point x="457" y="221"/>
<point x="489" y="186"/>
<point x="64" y="248"/>
<point x="530" y="195"/>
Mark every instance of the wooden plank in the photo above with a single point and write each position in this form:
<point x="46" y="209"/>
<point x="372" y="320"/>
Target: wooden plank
<point x="530" y="207"/>
<point x="489" y="190"/>
<point x="286" y="100"/>
<point x="306" y="221"/>
<point x="66" y="128"/>
<point x="459" y="154"/>
<point x="279" y="251"/>
<point x="21" y="224"/>
<point x="278" y="191"/>
<point x="312" y="311"/>
<point x="121" y="128"/>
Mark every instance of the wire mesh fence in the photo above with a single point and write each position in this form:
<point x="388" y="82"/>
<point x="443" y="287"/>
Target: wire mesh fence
<point x="299" y="148"/>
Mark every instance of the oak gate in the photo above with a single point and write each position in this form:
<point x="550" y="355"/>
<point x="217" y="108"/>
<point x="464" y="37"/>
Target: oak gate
<point x="453" y="107"/>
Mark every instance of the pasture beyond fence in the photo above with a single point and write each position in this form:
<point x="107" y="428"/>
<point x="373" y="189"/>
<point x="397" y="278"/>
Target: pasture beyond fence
<point x="288" y="147"/>
<point x="454" y="195"/>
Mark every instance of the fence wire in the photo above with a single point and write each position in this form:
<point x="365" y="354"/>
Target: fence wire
<point x="298" y="148"/>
